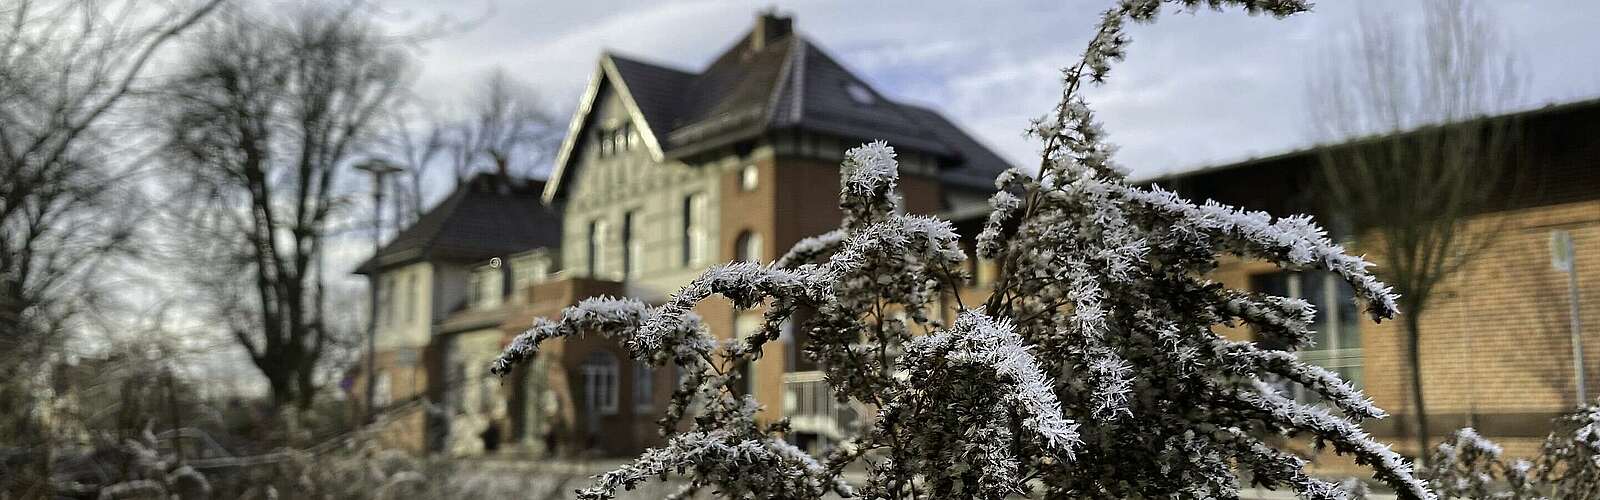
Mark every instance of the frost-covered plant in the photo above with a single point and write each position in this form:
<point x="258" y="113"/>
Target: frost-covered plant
<point x="1470" y="466"/>
<point x="1568" y="465"/>
<point x="149" y="473"/>
<point x="1091" y="371"/>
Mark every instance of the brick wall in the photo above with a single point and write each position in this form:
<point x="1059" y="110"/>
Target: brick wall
<point x="623" y="433"/>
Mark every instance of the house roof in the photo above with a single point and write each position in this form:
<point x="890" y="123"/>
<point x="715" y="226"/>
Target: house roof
<point x="1549" y="113"/>
<point x="771" y="79"/>
<point x="487" y="216"/>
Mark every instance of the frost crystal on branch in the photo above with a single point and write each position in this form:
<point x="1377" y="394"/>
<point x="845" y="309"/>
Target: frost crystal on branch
<point x="985" y="343"/>
<point x="1091" y="370"/>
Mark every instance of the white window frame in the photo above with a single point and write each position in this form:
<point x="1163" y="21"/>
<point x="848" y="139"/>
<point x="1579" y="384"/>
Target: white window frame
<point x="694" y="208"/>
<point x="631" y="250"/>
<point x="382" y="390"/>
<point x="411" y="298"/>
<point x="597" y="247"/>
<point x="749" y="177"/>
<point x="600" y="381"/>
<point x="747" y="246"/>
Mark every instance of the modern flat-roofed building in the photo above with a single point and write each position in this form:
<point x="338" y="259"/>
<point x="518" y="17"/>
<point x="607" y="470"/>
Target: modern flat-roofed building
<point x="1496" y="344"/>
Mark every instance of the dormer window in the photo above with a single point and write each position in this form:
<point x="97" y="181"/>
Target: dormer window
<point x="860" y="94"/>
<point x="612" y="141"/>
<point x="488" y="286"/>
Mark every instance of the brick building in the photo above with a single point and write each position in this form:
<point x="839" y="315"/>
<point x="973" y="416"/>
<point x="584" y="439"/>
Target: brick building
<point x="1495" y="345"/>
<point x="663" y="173"/>
<point x="433" y="317"/>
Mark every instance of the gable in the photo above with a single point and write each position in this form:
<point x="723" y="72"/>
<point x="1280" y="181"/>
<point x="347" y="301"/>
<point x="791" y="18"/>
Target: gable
<point x="610" y="158"/>
<point x="606" y="83"/>
<point x="763" y="84"/>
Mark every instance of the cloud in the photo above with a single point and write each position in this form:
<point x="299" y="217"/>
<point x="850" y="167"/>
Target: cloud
<point x="1198" y="88"/>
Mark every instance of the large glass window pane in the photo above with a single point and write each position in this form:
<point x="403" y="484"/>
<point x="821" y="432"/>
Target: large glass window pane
<point x="1337" y="327"/>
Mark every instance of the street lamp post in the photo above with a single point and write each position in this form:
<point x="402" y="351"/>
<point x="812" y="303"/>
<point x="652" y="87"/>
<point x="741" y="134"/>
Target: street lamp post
<point x="1563" y="257"/>
<point x="378" y="169"/>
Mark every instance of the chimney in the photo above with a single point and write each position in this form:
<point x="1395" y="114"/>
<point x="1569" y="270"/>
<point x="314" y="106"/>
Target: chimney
<point x="770" y="28"/>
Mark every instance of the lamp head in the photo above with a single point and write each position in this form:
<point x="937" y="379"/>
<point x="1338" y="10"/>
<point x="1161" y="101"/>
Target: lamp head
<point x="378" y="167"/>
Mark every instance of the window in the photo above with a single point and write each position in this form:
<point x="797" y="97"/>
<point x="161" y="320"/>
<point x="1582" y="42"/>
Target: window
<point x="597" y="230"/>
<point x="745" y="324"/>
<point x="791" y="350"/>
<point x="599" y="372"/>
<point x="1337" y="326"/>
<point x="747" y="247"/>
<point x="385" y="290"/>
<point x="644" y="387"/>
<point x="487" y="287"/>
<point x="693" y="248"/>
<point x="486" y="396"/>
<point x="630" y="247"/>
<point x="382" y="390"/>
<point x="527" y="270"/>
<point x="749" y="177"/>
<point x="455" y="393"/>
<point x="411" y="298"/>
<point x="860" y="94"/>
<point x="609" y="142"/>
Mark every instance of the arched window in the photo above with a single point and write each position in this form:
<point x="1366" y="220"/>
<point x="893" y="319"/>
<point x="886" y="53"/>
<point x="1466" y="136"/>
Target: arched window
<point x="749" y="177"/>
<point x="747" y="248"/>
<point x="600" y="383"/>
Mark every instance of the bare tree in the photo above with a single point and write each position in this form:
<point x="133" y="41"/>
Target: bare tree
<point x="415" y="140"/>
<point x="1426" y="91"/>
<point x="65" y="69"/>
<point x="262" y="122"/>
<point x="507" y="128"/>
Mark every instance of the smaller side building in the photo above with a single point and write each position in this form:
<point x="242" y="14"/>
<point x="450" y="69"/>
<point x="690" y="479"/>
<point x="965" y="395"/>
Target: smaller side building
<point x="438" y="321"/>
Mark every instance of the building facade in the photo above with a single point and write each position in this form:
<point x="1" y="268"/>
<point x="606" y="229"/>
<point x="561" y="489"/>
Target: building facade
<point x="665" y="172"/>
<point x="1496" y="343"/>
<point x="438" y="316"/>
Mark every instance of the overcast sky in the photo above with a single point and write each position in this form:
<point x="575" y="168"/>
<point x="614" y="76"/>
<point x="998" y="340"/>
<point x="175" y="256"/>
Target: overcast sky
<point x="1196" y="89"/>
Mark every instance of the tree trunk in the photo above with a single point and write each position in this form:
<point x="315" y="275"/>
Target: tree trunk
<point x="1418" y="406"/>
<point x="305" y="385"/>
<point x="283" y="393"/>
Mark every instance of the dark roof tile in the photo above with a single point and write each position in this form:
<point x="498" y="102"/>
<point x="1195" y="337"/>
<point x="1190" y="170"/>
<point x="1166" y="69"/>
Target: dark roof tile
<point x="488" y="216"/>
<point x="785" y="82"/>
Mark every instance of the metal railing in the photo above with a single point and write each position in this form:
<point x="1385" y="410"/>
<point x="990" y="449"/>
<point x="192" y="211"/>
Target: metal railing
<point x="810" y="405"/>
